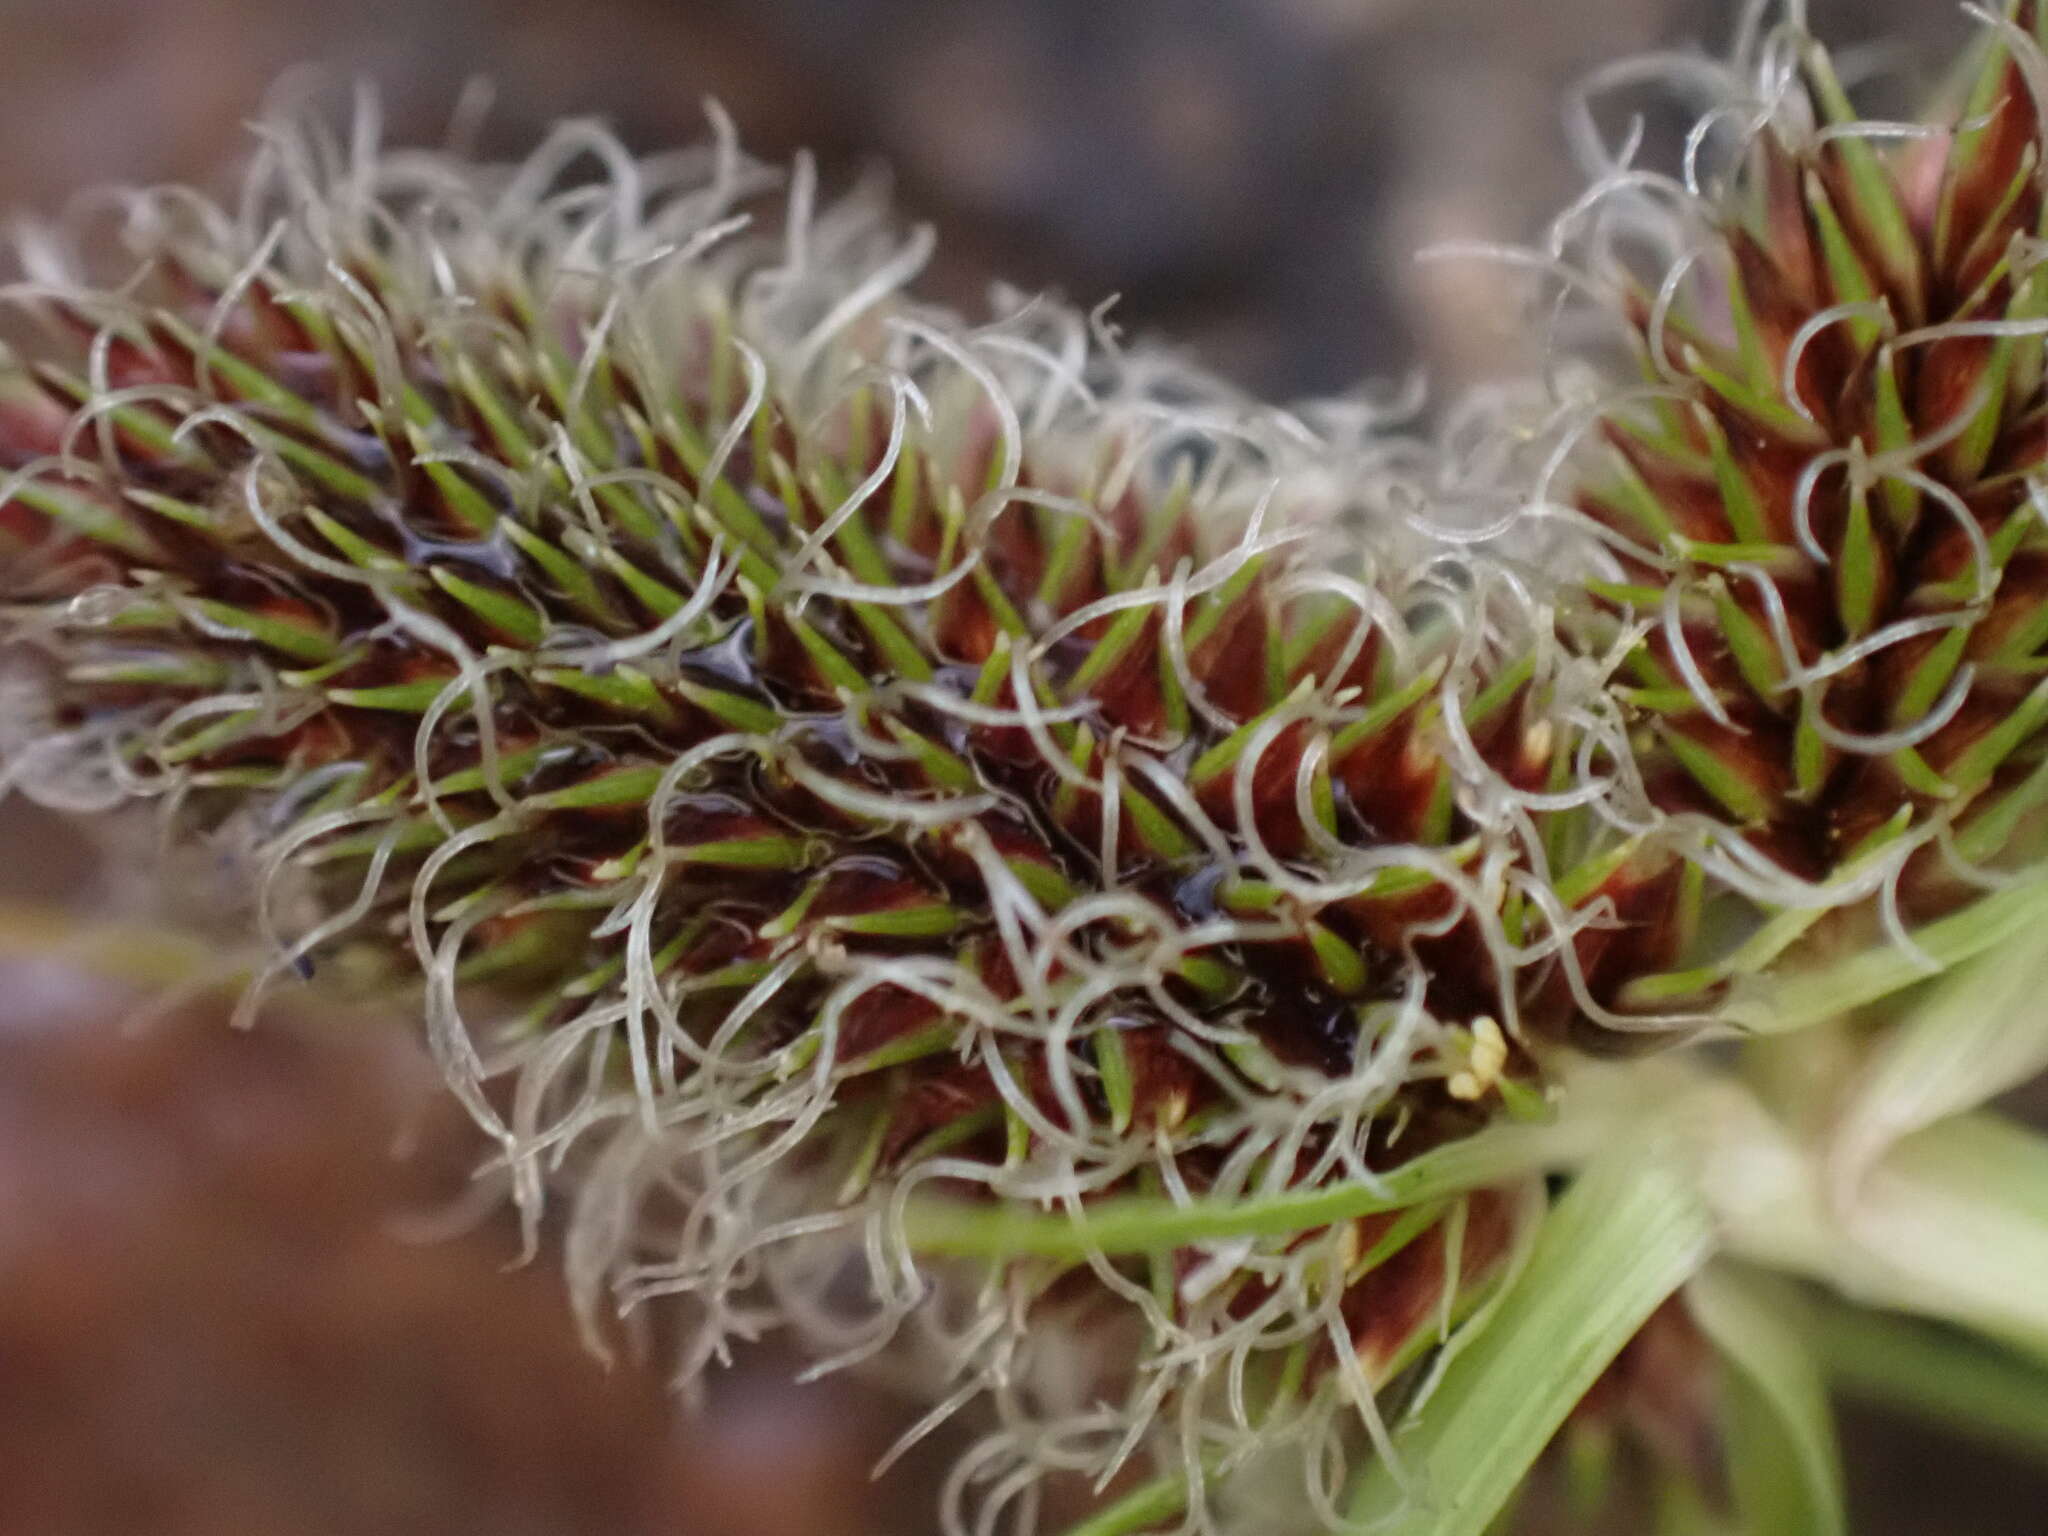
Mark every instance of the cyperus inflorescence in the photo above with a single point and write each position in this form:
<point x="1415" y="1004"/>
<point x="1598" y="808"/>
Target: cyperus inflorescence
<point x="812" y="754"/>
<point x="808" y="748"/>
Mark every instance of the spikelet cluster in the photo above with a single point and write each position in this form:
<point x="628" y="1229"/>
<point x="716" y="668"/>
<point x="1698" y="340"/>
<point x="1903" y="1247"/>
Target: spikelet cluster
<point x="1818" y="504"/>
<point x="804" y="747"/>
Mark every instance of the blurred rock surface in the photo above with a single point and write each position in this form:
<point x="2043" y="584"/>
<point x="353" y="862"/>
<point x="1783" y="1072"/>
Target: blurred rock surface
<point x="222" y="1312"/>
<point x="1252" y="176"/>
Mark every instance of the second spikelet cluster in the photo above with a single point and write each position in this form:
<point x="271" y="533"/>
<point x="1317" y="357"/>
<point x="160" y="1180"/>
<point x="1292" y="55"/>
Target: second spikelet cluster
<point x="1820" y="503"/>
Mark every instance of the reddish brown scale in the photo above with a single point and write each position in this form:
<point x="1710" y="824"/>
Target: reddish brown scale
<point x="128" y="363"/>
<point x="1787" y="234"/>
<point x="1643" y="936"/>
<point x="1387" y="1308"/>
<point x="1949" y="383"/>
<point x="1771" y="470"/>
<point x="1125" y="520"/>
<point x="1129" y="696"/>
<point x="1164" y="1084"/>
<point x="1516" y="742"/>
<point x="1231" y="659"/>
<point x="1272" y="796"/>
<point x="31" y="428"/>
<point x="2023" y="450"/>
<point x="324" y="739"/>
<point x="883" y="1016"/>
<point x="1319" y="661"/>
<point x="964" y="623"/>
<point x="2021" y="594"/>
<point x="1387" y="921"/>
<point x="1977" y="193"/>
<point x="940" y="1097"/>
<point x="1392" y="782"/>
<point x="1779" y="312"/>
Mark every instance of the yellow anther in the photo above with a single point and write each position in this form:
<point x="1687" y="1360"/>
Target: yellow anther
<point x="1482" y="1068"/>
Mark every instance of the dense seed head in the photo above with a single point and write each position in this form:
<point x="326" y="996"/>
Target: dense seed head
<point x="1820" y="510"/>
<point x="808" y="747"/>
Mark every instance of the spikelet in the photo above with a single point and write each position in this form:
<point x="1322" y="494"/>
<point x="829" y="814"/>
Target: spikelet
<point x="1819" y="510"/>
<point x="805" y="748"/>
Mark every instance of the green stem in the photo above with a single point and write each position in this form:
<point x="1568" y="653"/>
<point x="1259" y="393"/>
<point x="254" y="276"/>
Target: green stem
<point x="1147" y="1224"/>
<point x="1800" y="998"/>
<point x="1161" y="1499"/>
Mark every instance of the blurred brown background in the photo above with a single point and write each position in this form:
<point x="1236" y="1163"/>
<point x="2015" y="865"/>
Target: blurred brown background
<point x="207" y="1326"/>
<point x="1252" y="175"/>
